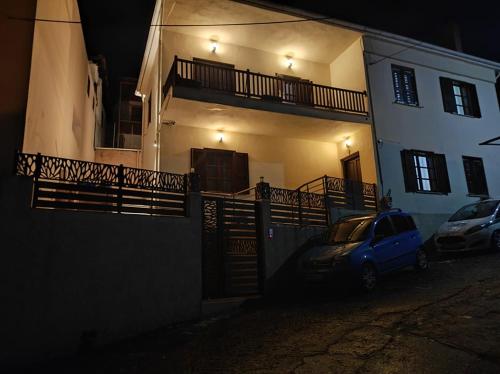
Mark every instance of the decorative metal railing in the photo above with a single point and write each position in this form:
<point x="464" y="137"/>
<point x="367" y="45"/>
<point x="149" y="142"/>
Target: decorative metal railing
<point x="350" y="194"/>
<point x="82" y="185"/>
<point x="264" y="87"/>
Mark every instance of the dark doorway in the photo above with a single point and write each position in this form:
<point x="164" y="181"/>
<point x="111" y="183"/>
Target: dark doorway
<point x="352" y="167"/>
<point x="220" y="170"/>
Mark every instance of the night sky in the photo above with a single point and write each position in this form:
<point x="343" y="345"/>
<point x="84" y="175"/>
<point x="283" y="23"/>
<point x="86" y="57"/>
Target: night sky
<point x="118" y="29"/>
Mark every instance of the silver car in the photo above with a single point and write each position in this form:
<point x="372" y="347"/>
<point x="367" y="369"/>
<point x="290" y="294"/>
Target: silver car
<point x="474" y="226"/>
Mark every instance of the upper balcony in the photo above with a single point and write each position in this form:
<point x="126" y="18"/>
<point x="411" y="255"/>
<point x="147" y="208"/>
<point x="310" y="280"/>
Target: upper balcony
<point x="215" y="82"/>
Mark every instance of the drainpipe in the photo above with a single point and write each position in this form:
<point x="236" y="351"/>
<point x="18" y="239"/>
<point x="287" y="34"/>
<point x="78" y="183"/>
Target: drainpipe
<point x="159" y="92"/>
<point x="374" y="129"/>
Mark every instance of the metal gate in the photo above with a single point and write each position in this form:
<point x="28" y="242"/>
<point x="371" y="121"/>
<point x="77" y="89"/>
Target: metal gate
<point x="230" y="247"/>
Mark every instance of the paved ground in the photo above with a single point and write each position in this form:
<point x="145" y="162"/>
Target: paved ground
<point x="446" y="320"/>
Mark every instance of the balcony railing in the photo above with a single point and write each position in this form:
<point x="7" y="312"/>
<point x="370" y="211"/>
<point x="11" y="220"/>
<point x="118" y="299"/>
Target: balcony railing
<point x="245" y="83"/>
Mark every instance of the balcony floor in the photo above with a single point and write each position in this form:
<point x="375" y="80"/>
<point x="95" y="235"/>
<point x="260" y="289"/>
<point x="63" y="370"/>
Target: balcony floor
<point x="215" y="97"/>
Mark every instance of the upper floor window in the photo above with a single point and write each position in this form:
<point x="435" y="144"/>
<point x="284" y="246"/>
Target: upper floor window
<point x="460" y="97"/>
<point x="405" y="87"/>
<point x="425" y="172"/>
<point x="474" y="174"/>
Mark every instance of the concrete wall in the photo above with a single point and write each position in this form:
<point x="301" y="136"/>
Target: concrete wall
<point x="258" y="61"/>
<point x="16" y="39"/>
<point x="283" y="162"/>
<point x="348" y="70"/>
<point x="65" y="275"/>
<point x="361" y="141"/>
<point x="429" y="128"/>
<point x="59" y="118"/>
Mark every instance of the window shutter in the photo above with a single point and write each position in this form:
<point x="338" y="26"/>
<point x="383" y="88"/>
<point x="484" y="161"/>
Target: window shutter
<point x="476" y="111"/>
<point x="448" y="97"/>
<point x="240" y="172"/>
<point x="198" y="162"/>
<point x="442" y="179"/>
<point x="409" y="172"/>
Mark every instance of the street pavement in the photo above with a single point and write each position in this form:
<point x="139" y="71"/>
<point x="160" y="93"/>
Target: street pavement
<point x="444" y="320"/>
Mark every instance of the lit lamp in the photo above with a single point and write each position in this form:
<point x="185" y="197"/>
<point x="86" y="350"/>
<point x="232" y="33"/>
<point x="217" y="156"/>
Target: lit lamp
<point x="220" y="136"/>
<point x="348" y="142"/>
<point x="289" y="61"/>
<point x="213" y="45"/>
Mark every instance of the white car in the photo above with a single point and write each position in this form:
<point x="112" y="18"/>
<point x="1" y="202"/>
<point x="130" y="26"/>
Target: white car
<point x="474" y="226"/>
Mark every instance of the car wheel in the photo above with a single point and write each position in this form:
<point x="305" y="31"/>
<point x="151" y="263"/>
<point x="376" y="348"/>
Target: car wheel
<point x="495" y="241"/>
<point x="422" y="260"/>
<point x="368" y="277"/>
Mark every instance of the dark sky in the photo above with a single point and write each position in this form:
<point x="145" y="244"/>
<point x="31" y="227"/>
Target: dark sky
<point x="118" y="29"/>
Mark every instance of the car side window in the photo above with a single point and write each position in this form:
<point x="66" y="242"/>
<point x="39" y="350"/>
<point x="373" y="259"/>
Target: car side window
<point x="383" y="229"/>
<point x="498" y="214"/>
<point x="403" y="223"/>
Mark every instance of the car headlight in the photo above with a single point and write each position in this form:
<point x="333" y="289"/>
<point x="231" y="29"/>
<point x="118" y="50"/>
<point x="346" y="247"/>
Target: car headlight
<point x="477" y="228"/>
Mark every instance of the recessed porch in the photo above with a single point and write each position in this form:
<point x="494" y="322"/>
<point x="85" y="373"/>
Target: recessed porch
<point x="286" y="150"/>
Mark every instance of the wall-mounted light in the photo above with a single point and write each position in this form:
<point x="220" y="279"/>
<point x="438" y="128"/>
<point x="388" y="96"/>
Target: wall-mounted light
<point x="348" y="142"/>
<point x="213" y="45"/>
<point x="155" y="144"/>
<point x="220" y="136"/>
<point x="289" y="61"/>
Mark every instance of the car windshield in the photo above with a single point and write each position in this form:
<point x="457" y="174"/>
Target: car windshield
<point x="353" y="230"/>
<point x="478" y="210"/>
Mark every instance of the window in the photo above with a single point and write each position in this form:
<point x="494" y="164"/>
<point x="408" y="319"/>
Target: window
<point x="460" y="98"/>
<point x="383" y="229"/>
<point x="474" y="174"/>
<point x="405" y="87"/>
<point x="425" y="172"/>
<point x="403" y="223"/>
<point x="220" y="170"/>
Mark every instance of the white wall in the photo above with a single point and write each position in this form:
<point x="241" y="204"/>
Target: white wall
<point x="59" y="116"/>
<point x="429" y="127"/>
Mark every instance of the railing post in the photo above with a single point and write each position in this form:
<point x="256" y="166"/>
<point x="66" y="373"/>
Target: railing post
<point x="175" y="70"/>
<point x="299" y="198"/>
<point x="264" y="231"/>
<point x="121" y="180"/>
<point x="36" y="176"/>
<point x="248" y="82"/>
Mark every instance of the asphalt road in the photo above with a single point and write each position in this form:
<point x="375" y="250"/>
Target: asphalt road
<point x="446" y="320"/>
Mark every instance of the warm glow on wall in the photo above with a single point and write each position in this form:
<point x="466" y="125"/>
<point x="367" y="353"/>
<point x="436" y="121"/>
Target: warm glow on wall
<point x="289" y="61"/>
<point x="220" y="136"/>
<point x="213" y="45"/>
<point x="348" y="142"/>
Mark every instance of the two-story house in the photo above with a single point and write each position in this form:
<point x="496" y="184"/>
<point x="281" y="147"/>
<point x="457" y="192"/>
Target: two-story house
<point x="239" y="90"/>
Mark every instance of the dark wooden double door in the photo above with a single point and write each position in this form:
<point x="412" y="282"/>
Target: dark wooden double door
<point x="353" y="180"/>
<point x="220" y="170"/>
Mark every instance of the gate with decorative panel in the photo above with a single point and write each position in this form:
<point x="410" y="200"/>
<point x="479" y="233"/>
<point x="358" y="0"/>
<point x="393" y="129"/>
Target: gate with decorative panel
<point x="230" y="247"/>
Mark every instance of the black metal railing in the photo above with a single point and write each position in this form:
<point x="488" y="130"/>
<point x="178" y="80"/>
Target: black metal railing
<point x="82" y="185"/>
<point x="264" y="87"/>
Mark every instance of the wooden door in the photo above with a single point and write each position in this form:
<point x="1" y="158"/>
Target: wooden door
<point x="352" y="168"/>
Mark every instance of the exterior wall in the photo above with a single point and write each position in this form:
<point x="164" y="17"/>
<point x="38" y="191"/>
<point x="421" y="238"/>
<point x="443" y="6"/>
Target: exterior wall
<point x="348" y="70"/>
<point x="59" y="116"/>
<point x="283" y="162"/>
<point x="149" y="125"/>
<point x="69" y="277"/>
<point x="187" y="47"/>
<point x="116" y="156"/>
<point x="430" y="128"/>
<point x="99" y="135"/>
<point x="16" y="39"/>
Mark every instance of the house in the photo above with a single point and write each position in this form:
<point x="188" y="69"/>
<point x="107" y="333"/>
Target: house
<point x="291" y="101"/>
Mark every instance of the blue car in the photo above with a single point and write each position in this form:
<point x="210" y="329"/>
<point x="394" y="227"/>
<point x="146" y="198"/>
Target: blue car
<point x="363" y="247"/>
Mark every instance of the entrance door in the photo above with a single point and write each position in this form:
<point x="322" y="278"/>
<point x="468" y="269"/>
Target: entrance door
<point x="352" y="167"/>
<point x="220" y="170"/>
<point x="353" y="180"/>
